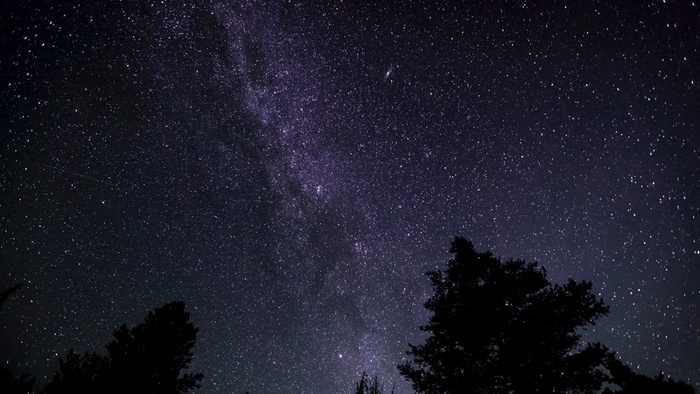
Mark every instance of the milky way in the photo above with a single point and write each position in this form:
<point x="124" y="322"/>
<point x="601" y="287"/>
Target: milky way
<point x="291" y="170"/>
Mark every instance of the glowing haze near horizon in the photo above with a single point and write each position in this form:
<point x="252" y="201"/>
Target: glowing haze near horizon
<point x="290" y="170"/>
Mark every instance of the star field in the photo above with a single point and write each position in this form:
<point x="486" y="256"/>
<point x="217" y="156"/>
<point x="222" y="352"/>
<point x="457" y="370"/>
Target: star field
<point x="291" y="169"/>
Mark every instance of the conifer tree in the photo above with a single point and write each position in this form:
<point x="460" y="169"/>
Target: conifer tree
<point x="502" y="327"/>
<point x="148" y="358"/>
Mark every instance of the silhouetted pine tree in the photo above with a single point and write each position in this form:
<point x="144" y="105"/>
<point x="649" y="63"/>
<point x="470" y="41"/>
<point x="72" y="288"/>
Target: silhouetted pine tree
<point x="9" y="383"/>
<point x="82" y="374"/>
<point x="7" y="293"/>
<point x="148" y="358"/>
<point x="369" y="386"/>
<point x="504" y="328"/>
<point x="630" y="382"/>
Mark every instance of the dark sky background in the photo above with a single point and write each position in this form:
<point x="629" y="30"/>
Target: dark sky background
<point x="290" y="170"/>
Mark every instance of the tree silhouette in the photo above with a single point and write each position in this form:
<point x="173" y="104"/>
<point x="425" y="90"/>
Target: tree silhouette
<point x="87" y="373"/>
<point x="162" y="345"/>
<point x="504" y="328"/>
<point x="630" y="382"/>
<point x="7" y="293"/>
<point x="369" y="386"/>
<point x="148" y="358"/>
<point x="9" y="383"/>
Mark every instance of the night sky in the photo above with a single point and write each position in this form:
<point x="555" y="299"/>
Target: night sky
<point x="291" y="170"/>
